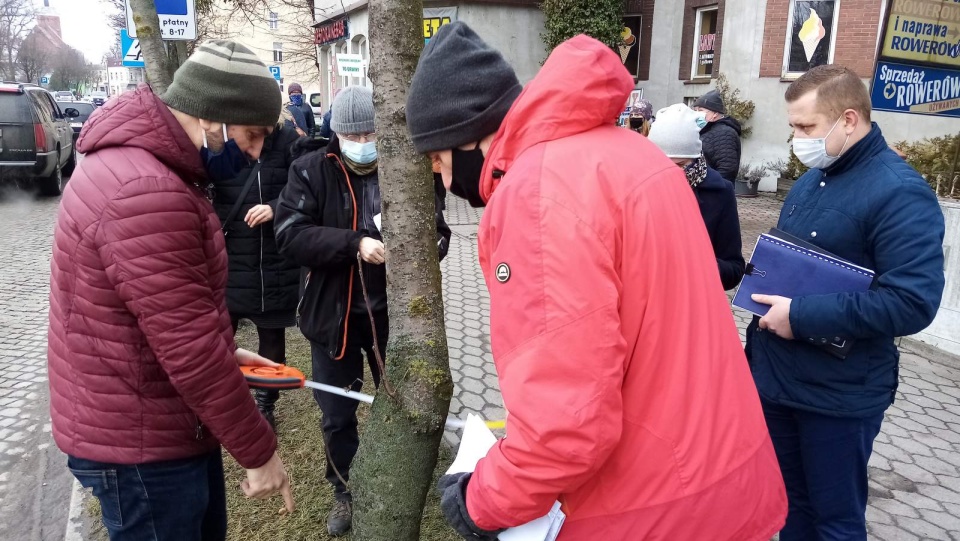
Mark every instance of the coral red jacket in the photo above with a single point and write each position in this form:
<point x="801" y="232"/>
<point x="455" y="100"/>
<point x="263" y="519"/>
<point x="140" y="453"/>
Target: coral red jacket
<point x="141" y="352"/>
<point x="628" y="392"/>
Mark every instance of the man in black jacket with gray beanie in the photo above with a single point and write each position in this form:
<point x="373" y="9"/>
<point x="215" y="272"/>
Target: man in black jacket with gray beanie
<point x="720" y="136"/>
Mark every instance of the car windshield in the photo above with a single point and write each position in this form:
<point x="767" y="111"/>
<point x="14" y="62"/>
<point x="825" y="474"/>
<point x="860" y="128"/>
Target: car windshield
<point x="85" y="109"/>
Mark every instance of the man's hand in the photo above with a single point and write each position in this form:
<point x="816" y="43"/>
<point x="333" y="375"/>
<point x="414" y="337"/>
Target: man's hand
<point x="259" y="214"/>
<point x="267" y="480"/>
<point x="371" y="251"/>
<point x="246" y="357"/>
<point x="453" y="503"/>
<point x="777" y="319"/>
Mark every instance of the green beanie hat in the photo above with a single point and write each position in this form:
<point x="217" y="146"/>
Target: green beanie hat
<point x="225" y="82"/>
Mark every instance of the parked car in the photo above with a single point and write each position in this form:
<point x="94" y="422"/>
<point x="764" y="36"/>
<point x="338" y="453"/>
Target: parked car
<point x="36" y="141"/>
<point x="316" y="103"/>
<point x="64" y="95"/>
<point x="85" y="109"/>
<point x="98" y="98"/>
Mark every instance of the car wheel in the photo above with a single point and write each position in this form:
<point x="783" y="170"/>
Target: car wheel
<point x="52" y="186"/>
<point x="72" y="162"/>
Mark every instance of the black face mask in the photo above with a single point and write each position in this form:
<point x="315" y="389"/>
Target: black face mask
<point x="467" y="168"/>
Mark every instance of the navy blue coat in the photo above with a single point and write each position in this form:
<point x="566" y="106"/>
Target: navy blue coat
<point x="873" y="209"/>
<point x="718" y="206"/>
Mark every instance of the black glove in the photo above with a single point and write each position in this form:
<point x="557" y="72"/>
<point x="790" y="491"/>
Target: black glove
<point x="453" y="502"/>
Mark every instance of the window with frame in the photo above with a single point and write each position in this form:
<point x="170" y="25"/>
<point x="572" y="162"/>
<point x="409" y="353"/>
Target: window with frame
<point x="277" y="51"/>
<point x="704" y="42"/>
<point x="811" y="35"/>
<point x="274" y="20"/>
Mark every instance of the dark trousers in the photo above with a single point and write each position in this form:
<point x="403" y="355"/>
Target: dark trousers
<point x="340" y="413"/>
<point x="272" y="344"/>
<point x="824" y="465"/>
<point x="175" y="500"/>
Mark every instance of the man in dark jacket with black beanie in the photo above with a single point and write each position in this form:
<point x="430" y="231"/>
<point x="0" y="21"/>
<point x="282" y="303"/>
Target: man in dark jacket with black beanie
<point x="720" y="136"/>
<point x="328" y="221"/>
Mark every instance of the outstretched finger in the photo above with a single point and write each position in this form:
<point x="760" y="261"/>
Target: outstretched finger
<point x="287" y="493"/>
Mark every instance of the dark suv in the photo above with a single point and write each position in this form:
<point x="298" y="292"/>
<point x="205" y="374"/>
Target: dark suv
<point x="36" y="140"/>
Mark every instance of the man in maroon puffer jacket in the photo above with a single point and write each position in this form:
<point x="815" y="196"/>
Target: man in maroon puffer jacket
<point x="144" y="382"/>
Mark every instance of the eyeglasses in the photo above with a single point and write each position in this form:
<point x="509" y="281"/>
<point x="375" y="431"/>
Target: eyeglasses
<point x="361" y="138"/>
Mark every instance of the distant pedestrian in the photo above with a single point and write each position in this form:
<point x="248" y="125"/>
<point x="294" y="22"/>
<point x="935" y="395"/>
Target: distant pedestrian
<point x="676" y="132"/>
<point x="262" y="285"/>
<point x="297" y="100"/>
<point x="863" y="203"/>
<point x="328" y="222"/>
<point x="720" y="136"/>
<point x="629" y="397"/>
<point x="641" y="117"/>
<point x="144" y="376"/>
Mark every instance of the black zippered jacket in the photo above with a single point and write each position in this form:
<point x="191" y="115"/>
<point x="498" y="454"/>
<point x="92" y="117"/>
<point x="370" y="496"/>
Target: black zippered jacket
<point x="319" y="225"/>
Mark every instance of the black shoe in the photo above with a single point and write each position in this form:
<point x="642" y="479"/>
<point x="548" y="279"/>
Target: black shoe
<point x="340" y="518"/>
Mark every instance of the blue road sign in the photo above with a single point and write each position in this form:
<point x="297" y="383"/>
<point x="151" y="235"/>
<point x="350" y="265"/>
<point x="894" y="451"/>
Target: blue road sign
<point x="130" y="48"/>
<point x="172" y="7"/>
<point x="44" y="80"/>
<point x="275" y="71"/>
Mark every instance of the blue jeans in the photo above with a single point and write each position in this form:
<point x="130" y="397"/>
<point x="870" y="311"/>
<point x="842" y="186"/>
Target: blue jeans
<point x="823" y="461"/>
<point x="175" y="500"/>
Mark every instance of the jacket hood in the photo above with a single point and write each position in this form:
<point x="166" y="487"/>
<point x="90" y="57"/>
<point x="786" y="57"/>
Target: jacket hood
<point x="725" y="121"/>
<point x="582" y="85"/>
<point x="139" y="119"/>
<point x="714" y="182"/>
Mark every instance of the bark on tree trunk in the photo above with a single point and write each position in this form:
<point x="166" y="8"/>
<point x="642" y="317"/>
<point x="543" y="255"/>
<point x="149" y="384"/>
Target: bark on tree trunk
<point x="398" y="448"/>
<point x="159" y="72"/>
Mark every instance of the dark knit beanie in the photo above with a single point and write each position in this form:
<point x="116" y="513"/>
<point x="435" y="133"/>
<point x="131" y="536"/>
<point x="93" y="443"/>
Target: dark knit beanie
<point x="712" y="102"/>
<point x="461" y="91"/>
<point x="295" y="87"/>
<point x="225" y="82"/>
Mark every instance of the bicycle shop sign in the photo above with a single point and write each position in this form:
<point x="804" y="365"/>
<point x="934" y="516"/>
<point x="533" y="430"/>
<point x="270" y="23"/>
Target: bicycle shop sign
<point x="332" y="32"/>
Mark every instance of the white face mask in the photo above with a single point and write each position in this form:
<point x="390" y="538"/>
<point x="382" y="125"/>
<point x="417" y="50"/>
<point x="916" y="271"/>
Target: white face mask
<point x="813" y="152"/>
<point x="361" y="153"/>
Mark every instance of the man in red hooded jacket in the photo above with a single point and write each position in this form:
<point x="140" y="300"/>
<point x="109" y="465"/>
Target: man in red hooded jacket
<point x="144" y="383"/>
<point x="628" y="393"/>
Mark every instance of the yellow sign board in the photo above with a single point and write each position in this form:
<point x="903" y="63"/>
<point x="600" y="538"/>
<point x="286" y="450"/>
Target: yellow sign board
<point x="923" y="31"/>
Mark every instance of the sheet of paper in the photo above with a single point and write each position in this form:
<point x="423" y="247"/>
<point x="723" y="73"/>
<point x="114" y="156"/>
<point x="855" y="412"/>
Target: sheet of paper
<point x="545" y="528"/>
<point x="376" y="222"/>
<point x="476" y="440"/>
<point x="474" y="444"/>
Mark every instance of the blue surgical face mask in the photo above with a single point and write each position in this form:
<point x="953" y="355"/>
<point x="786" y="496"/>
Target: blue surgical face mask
<point x="227" y="163"/>
<point x="361" y="153"/>
<point x="296" y="99"/>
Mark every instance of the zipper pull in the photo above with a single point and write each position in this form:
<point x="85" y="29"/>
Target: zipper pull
<point x="793" y="208"/>
<point x="199" y="429"/>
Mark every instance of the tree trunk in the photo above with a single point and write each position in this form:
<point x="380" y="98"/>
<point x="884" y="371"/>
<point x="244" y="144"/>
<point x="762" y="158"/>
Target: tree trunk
<point x="399" y="446"/>
<point x="147" y="22"/>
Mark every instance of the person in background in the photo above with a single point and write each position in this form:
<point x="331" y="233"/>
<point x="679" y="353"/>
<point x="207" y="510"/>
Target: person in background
<point x="677" y="133"/>
<point x="144" y="373"/>
<point x="720" y="135"/>
<point x="641" y="115"/>
<point x="328" y="222"/>
<point x="293" y="114"/>
<point x="325" y="131"/>
<point x="863" y="203"/>
<point x="297" y="99"/>
<point x="630" y="400"/>
<point x="262" y="285"/>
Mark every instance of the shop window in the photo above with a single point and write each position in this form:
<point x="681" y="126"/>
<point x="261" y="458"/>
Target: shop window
<point x="811" y="33"/>
<point x="704" y="42"/>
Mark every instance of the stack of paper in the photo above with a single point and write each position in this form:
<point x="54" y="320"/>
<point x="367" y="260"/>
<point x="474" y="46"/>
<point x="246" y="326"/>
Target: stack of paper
<point x="474" y="444"/>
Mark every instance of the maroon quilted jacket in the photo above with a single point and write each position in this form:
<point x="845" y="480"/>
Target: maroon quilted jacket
<point x="141" y="353"/>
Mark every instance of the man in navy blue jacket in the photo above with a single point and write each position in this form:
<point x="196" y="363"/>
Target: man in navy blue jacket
<point x="863" y="203"/>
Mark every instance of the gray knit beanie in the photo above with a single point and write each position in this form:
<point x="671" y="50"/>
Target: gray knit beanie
<point x="225" y="82"/>
<point x="711" y="101"/>
<point x="461" y="91"/>
<point x="353" y="111"/>
<point x="677" y="131"/>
